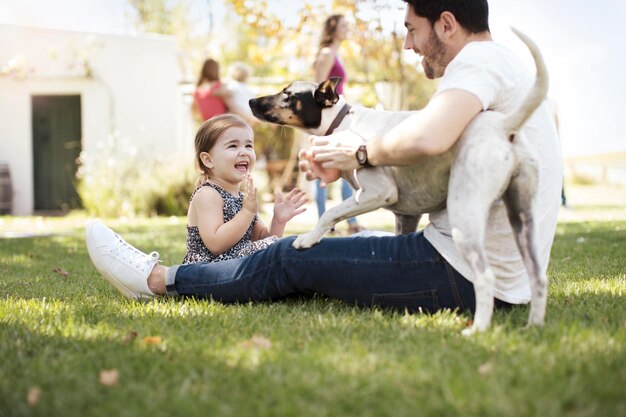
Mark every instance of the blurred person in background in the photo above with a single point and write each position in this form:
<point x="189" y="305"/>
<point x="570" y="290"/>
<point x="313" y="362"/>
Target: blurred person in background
<point x="241" y="93"/>
<point x="210" y="97"/>
<point x="327" y="64"/>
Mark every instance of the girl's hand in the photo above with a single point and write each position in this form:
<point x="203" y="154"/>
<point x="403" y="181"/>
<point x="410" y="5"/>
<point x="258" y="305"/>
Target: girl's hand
<point x="248" y="190"/>
<point x="288" y="206"/>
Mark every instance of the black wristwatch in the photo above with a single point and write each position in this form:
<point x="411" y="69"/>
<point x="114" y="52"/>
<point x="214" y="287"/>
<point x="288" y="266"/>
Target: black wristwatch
<point x="361" y="156"/>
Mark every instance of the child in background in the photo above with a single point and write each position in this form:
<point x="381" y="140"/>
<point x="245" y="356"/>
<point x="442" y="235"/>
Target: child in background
<point x="223" y="221"/>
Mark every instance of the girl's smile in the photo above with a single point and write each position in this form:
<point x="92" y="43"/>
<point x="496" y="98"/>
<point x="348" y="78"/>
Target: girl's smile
<point x="242" y="167"/>
<point x="231" y="158"/>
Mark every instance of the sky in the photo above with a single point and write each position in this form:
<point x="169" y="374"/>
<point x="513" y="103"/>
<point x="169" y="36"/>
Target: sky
<point x="583" y="43"/>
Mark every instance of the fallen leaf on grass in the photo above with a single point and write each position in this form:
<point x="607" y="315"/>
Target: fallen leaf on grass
<point x="34" y="393"/>
<point x="129" y="337"/>
<point x="151" y="340"/>
<point x="61" y="272"/>
<point x="109" y="377"/>
<point x="485" y="368"/>
<point x="256" y="342"/>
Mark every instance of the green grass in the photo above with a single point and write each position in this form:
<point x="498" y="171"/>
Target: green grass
<point x="324" y="358"/>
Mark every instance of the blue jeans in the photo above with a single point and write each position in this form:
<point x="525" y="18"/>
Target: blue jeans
<point x="400" y="272"/>
<point x="320" y="197"/>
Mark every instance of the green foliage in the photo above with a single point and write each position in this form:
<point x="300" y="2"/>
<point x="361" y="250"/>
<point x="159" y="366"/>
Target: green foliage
<point x="302" y="356"/>
<point x="578" y="178"/>
<point x="119" y="180"/>
<point x="371" y="53"/>
<point x="173" y="17"/>
<point x="274" y="142"/>
<point x="252" y="32"/>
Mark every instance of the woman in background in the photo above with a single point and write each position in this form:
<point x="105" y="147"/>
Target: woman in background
<point x="210" y="97"/>
<point x="327" y="64"/>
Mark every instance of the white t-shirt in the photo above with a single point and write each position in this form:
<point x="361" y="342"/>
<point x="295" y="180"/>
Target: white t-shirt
<point x="241" y="95"/>
<point x="501" y="81"/>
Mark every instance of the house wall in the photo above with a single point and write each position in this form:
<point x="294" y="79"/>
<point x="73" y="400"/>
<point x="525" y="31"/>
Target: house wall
<point x="127" y="84"/>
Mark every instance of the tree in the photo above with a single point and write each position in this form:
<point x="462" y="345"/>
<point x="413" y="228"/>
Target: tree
<point x="373" y="53"/>
<point x="173" y="17"/>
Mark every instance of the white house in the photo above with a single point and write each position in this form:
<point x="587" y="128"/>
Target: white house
<point x="62" y="92"/>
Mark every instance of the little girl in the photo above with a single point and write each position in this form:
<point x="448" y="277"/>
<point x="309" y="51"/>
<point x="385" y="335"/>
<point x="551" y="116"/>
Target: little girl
<point x="222" y="221"/>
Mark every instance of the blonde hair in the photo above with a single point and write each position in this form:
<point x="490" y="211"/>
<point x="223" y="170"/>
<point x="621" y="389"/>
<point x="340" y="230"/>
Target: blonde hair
<point x="208" y="134"/>
<point x="239" y="71"/>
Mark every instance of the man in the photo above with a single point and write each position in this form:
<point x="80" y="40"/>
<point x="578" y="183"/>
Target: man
<point x="416" y="271"/>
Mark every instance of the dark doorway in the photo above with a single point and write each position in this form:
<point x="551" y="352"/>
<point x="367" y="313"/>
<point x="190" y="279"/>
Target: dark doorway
<point x="56" y="147"/>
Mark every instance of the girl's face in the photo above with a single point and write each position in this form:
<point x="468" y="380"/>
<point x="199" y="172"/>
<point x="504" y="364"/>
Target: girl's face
<point x="232" y="156"/>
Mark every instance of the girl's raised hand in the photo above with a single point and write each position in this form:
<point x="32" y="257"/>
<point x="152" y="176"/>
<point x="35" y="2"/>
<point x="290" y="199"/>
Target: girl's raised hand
<point x="288" y="206"/>
<point x="248" y="190"/>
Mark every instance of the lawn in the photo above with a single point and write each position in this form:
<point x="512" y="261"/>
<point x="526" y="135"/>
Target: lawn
<point x="72" y="346"/>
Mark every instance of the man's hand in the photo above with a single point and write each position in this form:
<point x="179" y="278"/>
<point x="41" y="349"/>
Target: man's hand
<point x="313" y="170"/>
<point x="330" y="154"/>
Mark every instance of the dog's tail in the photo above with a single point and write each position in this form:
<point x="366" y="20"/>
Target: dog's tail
<point x="537" y="94"/>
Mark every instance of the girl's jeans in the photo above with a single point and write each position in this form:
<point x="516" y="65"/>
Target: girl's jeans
<point x="400" y="272"/>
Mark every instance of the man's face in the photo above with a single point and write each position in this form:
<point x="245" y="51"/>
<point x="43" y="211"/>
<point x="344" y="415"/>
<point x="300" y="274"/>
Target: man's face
<point x="423" y="40"/>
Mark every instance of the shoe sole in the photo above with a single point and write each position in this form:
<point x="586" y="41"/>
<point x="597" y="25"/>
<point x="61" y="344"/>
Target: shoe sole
<point x="106" y="274"/>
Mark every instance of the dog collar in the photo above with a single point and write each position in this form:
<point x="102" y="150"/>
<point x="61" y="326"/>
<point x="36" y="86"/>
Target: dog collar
<point x="342" y="113"/>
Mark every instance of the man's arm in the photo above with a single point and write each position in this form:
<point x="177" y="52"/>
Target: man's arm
<point x="430" y="132"/>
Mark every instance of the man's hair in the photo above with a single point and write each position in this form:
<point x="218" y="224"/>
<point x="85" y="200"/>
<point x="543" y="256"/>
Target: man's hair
<point x="473" y="15"/>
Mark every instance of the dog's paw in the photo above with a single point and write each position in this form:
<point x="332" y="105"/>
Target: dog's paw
<point x="532" y="322"/>
<point x="475" y="328"/>
<point x="305" y="241"/>
<point x="468" y="332"/>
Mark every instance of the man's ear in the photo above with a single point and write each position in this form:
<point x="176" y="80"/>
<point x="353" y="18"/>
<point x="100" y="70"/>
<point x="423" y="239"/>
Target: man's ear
<point x="326" y="93"/>
<point x="448" y="25"/>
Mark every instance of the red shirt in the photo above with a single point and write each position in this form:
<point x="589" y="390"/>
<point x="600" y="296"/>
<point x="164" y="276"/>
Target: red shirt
<point x="208" y="104"/>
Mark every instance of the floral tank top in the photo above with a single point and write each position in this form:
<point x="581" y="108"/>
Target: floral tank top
<point x="198" y="252"/>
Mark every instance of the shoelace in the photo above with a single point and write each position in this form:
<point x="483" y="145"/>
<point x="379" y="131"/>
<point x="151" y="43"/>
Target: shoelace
<point x="134" y="256"/>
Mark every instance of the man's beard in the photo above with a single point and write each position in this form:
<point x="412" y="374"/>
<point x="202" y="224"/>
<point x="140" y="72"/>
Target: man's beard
<point x="434" y="59"/>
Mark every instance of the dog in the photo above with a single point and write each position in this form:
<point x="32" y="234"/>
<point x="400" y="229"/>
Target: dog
<point x="436" y="182"/>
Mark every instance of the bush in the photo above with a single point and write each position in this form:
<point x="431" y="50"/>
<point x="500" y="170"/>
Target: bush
<point x="272" y="141"/>
<point x="118" y="180"/>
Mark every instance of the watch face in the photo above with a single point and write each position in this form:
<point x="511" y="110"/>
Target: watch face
<point x="361" y="155"/>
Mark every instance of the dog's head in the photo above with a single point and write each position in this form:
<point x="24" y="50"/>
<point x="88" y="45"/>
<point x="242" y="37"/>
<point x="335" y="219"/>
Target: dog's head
<point x="300" y="104"/>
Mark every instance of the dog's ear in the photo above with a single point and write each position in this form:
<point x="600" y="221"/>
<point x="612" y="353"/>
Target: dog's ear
<point x="326" y="92"/>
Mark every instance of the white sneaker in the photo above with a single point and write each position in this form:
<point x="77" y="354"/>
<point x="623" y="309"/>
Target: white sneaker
<point x="120" y="263"/>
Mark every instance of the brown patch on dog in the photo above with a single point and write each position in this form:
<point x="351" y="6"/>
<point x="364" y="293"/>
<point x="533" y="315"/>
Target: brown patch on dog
<point x="285" y="116"/>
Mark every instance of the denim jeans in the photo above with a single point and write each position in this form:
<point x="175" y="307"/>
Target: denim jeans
<point x="399" y="272"/>
<point x="320" y="198"/>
